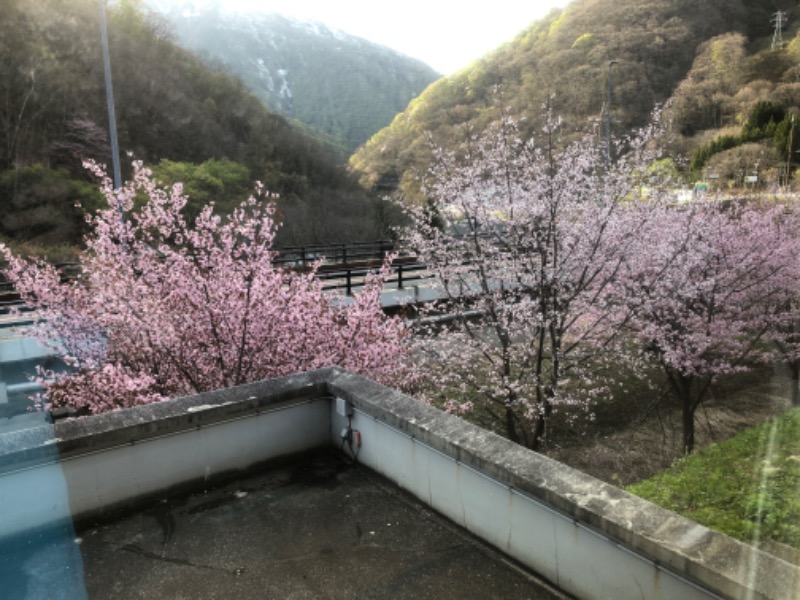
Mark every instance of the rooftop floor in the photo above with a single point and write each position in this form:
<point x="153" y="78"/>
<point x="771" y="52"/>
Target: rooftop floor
<point x="317" y="528"/>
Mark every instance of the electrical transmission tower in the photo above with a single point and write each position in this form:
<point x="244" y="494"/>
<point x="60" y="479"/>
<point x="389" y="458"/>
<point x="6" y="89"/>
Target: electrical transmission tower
<point x="779" y="20"/>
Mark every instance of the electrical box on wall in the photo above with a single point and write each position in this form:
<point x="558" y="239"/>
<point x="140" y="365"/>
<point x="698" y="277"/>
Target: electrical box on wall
<point x="344" y="408"/>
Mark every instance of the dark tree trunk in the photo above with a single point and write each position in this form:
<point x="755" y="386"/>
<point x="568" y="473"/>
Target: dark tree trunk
<point x="511" y="426"/>
<point x="689" y="396"/>
<point x="540" y="431"/>
<point x="795" y="383"/>
<point x="688" y="426"/>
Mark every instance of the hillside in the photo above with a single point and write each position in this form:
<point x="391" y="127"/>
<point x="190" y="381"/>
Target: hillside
<point x="636" y="51"/>
<point x="169" y="106"/>
<point x="342" y="86"/>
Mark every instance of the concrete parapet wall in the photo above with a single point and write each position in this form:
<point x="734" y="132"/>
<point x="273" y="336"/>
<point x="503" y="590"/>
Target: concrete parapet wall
<point x="589" y="538"/>
<point x="80" y="469"/>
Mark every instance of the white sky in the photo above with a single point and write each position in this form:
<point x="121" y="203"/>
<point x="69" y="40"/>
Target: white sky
<point x="445" y="34"/>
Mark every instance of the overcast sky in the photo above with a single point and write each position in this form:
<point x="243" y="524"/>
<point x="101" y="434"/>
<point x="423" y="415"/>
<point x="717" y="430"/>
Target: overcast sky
<point x="446" y="34"/>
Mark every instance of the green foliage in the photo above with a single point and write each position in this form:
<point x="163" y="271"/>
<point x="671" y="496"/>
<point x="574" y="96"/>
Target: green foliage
<point x="763" y="120"/>
<point x="562" y="62"/>
<point x="39" y="205"/>
<point x="745" y="487"/>
<point x="170" y="107"/>
<point x="767" y="121"/>
<point x="786" y="137"/>
<point x="583" y="41"/>
<point x="720" y="144"/>
<point x="223" y="182"/>
<point x="664" y="170"/>
<point x="52" y="253"/>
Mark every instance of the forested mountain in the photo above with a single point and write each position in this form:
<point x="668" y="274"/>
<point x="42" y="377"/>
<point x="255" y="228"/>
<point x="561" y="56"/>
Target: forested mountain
<point x="170" y="107"/>
<point x="638" y="53"/>
<point x="341" y="85"/>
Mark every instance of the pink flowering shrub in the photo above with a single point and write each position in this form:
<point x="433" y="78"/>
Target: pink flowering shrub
<point x="107" y="388"/>
<point x="164" y="308"/>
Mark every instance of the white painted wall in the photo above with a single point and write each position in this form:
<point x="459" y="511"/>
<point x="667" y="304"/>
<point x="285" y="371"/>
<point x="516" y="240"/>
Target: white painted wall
<point x="573" y="557"/>
<point x="93" y="482"/>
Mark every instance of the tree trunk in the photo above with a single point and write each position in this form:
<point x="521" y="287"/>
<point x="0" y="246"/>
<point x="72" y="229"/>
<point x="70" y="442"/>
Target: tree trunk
<point x="682" y="386"/>
<point x="511" y="428"/>
<point x="795" y="383"/>
<point x="688" y="425"/>
<point x="540" y="431"/>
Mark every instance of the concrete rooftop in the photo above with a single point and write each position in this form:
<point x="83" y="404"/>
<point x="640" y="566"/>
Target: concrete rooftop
<point x="315" y="528"/>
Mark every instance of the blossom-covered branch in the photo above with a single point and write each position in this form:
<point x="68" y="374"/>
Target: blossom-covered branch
<point x="165" y="308"/>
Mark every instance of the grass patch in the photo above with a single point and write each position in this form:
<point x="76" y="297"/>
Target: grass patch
<point x="747" y="487"/>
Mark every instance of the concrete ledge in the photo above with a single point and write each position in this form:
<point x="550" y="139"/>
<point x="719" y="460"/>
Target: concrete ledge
<point x="715" y="562"/>
<point x="75" y="437"/>
<point x="465" y="472"/>
<point x="99" y="465"/>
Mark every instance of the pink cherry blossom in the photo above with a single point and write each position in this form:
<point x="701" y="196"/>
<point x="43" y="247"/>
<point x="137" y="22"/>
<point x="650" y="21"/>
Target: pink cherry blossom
<point x="164" y="307"/>
<point x="708" y="286"/>
<point x="534" y="241"/>
<point x="558" y="269"/>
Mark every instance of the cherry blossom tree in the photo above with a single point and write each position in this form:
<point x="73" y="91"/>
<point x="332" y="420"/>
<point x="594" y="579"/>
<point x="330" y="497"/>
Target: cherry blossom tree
<point x="708" y="286"/>
<point x="787" y="343"/>
<point x="787" y="337"/>
<point x="557" y="268"/>
<point x="164" y="308"/>
<point x="534" y="238"/>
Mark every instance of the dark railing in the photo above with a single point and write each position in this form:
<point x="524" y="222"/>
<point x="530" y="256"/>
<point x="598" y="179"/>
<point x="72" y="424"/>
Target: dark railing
<point x="9" y="297"/>
<point x="342" y="267"/>
<point x="305" y="256"/>
<point x="346" y="266"/>
<point x="348" y="278"/>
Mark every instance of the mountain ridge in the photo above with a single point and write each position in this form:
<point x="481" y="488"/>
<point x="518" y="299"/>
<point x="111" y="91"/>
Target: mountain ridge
<point x="635" y="52"/>
<point x="173" y="112"/>
<point x="340" y="85"/>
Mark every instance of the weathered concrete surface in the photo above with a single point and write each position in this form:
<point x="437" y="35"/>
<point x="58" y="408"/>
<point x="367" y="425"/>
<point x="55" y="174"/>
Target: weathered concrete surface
<point x="317" y="529"/>
<point x="714" y="561"/>
<point x="78" y="436"/>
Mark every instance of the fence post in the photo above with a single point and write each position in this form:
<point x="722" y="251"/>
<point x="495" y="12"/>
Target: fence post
<point x="400" y="276"/>
<point x="349" y="283"/>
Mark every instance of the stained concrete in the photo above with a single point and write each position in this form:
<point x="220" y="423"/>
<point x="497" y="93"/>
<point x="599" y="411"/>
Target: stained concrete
<point x="722" y="566"/>
<point x="671" y="544"/>
<point x="315" y="529"/>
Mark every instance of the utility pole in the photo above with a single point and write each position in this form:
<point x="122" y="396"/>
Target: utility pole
<point x="112" y="117"/>
<point x="779" y="20"/>
<point x="607" y="114"/>
<point x="789" y="151"/>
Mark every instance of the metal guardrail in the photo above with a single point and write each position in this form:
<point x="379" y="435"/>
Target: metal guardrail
<point x="345" y="267"/>
<point x="305" y="256"/>
<point x="348" y="278"/>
